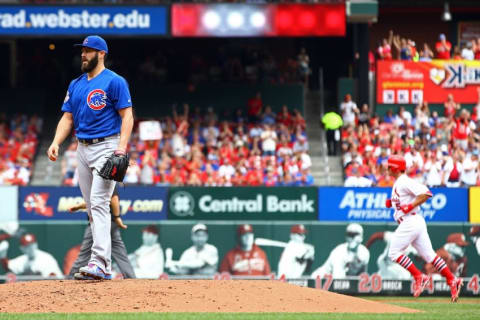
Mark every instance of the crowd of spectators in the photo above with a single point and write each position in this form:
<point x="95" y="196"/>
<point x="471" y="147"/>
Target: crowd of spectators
<point x="18" y="144"/>
<point x="248" y="64"/>
<point x="399" y="48"/>
<point x="440" y="149"/>
<point x="199" y="149"/>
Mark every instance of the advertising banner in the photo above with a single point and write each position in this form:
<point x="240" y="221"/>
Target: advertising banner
<point x="408" y="82"/>
<point x="368" y="204"/>
<point x="246" y="203"/>
<point x="80" y="20"/>
<point x="349" y="258"/>
<point x="9" y="200"/>
<point x="52" y="203"/>
<point x="474" y="204"/>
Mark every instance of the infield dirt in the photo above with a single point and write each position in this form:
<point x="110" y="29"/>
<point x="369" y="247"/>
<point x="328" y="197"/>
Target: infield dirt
<point x="178" y="296"/>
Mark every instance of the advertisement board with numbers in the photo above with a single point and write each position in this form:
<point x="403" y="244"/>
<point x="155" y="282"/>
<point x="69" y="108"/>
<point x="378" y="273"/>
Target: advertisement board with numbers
<point x="408" y="82"/>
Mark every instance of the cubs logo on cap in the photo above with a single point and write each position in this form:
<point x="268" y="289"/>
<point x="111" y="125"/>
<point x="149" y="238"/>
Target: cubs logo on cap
<point x="94" y="42"/>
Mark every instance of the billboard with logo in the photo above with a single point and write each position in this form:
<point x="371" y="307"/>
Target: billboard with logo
<point x="80" y="20"/>
<point x="408" y="82"/>
<point x="52" y="203"/>
<point x="245" y="203"/>
<point x="368" y="204"/>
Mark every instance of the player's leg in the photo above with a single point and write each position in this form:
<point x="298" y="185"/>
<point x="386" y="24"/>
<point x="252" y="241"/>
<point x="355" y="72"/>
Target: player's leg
<point x="100" y="194"/>
<point x="425" y="249"/>
<point x="85" y="175"/>
<point x="84" y="254"/>
<point x="100" y="197"/>
<point x="119" y="254"/>
<point x="403" y="236"/>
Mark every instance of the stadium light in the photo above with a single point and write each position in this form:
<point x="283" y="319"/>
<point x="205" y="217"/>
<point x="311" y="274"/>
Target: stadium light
<point x="258" y="19"/>
<point x="446" y="16"/>
<point x="235" y="20"/>
<point x="211" y="20"/>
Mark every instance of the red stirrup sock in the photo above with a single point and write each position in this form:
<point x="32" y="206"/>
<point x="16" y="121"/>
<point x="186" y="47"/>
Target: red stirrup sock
<point x="441" y="266"/>
<point x="405" y="262"/>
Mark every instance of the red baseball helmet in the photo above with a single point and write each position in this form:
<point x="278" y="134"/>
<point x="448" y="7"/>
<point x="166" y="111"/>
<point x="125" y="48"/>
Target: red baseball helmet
<point x="397" y="163"/>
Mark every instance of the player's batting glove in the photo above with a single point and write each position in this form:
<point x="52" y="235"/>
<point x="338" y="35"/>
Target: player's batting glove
<point x="388" y="203"/>
<point x="407" y="208"/>
<point x="115" y="167"/>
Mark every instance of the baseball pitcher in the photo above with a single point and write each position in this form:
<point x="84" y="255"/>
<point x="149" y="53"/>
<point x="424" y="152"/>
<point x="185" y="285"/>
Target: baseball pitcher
<point x="98" y="105"/>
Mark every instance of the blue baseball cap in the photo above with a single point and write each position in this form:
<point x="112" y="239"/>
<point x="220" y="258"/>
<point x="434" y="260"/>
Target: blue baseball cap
<point x="94" y="42"/>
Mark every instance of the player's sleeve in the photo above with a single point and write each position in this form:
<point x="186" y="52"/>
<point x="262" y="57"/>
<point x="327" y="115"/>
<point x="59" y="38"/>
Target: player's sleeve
<point x="16" y="265"/>
<point x="51" y="267"/>
<point x="212" y="257"/>
<point x="120" y="94"/>
<point x="416" y="188"/>
<point x="67" y="107"/>
<point x="225" y="266"/>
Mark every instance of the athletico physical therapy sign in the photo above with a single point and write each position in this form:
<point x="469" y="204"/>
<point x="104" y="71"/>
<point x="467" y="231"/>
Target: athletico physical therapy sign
<point x="368" y="204"/>
<point x="408" y="82"/>
<point x="71" y="20"/>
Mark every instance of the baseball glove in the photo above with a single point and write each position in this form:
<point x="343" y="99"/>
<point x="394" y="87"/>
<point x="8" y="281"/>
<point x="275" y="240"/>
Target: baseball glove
<point x="115" y="167"/>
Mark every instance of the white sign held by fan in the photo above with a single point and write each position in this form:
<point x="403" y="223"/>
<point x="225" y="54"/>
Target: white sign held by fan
<point x="150" y="130"/>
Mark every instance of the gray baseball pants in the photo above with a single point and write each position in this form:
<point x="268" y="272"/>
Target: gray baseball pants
<point x="97" y="193"/>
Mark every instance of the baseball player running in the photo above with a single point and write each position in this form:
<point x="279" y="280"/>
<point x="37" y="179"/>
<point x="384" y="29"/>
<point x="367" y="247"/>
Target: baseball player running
<point x="98" y="105"/>
<point x="119" y="252"/>
<point x="407" y="196"/>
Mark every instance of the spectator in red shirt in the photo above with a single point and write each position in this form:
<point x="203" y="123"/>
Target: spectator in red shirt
<point x="284" y="116"/>
<point x="443" y="47"/>
<point x="385" y="50"/>
<point x="451" y="107"/>
<point x="255" y="105"/>
<point x="462" y="130"/>
<point x="476" y="48"/>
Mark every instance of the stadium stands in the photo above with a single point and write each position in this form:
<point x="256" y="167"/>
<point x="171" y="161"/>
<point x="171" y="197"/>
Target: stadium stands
<point x="18" y="145"/>
<point x="200" y="150"/>
<point x="440" y="149"/>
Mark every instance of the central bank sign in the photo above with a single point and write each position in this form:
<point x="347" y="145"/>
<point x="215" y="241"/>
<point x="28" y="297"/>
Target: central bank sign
<point x="257" y="203"/>
<point x="368" y="204"/>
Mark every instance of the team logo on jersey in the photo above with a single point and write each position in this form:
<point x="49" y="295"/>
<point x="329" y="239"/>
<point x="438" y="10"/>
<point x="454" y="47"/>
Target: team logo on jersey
<point x="97" y="99"/>
<point x="182" y="204"/>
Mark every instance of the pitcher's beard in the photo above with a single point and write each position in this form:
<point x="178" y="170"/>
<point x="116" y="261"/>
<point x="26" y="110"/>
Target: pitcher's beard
<point x="90" y="65"/>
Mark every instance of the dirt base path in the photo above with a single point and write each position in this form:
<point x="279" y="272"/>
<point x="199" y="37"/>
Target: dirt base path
<point x="178" y="296"/>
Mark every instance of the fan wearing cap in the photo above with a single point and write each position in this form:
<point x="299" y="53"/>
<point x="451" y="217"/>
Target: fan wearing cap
<point x="407" y="197"/>
<point x="148" y="260"/>
<point x="99" y="107"/>
<point x="33" y="261"/>
<point x="297" y="257"/>
<point x="347" y="259"/>
<point x="246" y="259"/>
<point x="201" y="258"/>
<point x="453" y="252"/>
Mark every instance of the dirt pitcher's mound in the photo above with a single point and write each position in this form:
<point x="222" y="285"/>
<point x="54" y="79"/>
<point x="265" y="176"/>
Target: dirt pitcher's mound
<point x="178" y="296"/>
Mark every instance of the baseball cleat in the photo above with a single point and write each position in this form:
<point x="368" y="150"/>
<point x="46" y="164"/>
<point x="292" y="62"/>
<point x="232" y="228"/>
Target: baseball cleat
<point x="79" y="276"/>
<point x="95" y="272"/>
<point x="420" y="284"/>
<point x="455" y="288"/>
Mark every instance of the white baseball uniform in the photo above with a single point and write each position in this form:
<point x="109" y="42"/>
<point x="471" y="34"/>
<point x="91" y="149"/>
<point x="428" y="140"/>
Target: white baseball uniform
<point x="201" y="262"/>
<point x="148" y="261"/>
<point x="343" y="262"/>
<point x="294" y="258"/>
<point x="44" y="264"/>
<point x="412" y="228"/>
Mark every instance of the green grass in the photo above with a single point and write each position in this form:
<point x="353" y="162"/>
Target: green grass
<point x="433" y="309"/>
